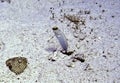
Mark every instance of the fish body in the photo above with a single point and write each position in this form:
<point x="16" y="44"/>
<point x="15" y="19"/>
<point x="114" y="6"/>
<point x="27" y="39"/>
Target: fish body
<point x="61" y="38"/>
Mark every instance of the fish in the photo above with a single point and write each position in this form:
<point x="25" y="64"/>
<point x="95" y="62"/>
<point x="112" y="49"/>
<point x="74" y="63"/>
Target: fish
<point x="61" y="38"/>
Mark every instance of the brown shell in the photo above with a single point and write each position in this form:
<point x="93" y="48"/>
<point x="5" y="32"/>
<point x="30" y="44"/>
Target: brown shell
<point x="17" y="64"/>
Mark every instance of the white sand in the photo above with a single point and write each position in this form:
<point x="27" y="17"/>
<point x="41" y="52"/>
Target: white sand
<point x="26" y="30"/>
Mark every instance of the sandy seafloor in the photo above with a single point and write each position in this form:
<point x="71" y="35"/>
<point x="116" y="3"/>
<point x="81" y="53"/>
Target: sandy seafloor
<point x="26" y="30"/>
